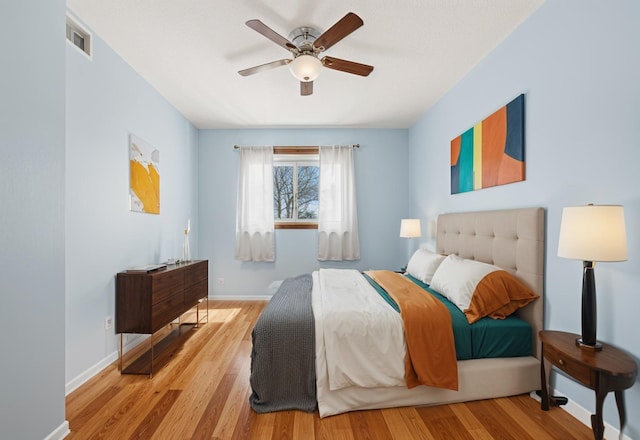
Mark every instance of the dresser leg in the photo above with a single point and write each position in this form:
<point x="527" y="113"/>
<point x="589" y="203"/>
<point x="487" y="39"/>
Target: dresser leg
<point x="151" y="352"/>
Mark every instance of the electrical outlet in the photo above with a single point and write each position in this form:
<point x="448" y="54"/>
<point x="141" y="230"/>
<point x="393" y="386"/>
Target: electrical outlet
<point x="220" y="281"/>
<point x="108" y="322"/>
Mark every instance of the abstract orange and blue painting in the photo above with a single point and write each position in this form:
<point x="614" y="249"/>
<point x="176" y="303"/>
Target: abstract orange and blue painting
<point x="491" y="152"/>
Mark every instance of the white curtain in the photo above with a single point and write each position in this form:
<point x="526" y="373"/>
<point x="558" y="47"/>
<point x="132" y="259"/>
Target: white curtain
<point x="254" y="213"/>
<point x="337" y="214"/>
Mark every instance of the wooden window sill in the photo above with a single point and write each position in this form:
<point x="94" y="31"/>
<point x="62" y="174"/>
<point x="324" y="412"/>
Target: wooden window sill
<point x="296" y="225"/>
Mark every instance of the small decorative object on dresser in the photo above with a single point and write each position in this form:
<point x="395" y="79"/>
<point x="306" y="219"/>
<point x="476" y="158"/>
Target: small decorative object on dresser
<point x="186" y="248"/>
<point x="605" y="370"/>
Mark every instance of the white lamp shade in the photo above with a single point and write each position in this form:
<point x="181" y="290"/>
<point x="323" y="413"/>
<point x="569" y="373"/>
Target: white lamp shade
<point x="410" y="228"/>
<point x="305" y="67"/>
<point x="593" y="233"/>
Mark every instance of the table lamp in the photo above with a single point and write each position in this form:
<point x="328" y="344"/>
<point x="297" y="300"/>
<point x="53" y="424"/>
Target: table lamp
<point x="592" y="233"/>
<point x="410" y="228"/>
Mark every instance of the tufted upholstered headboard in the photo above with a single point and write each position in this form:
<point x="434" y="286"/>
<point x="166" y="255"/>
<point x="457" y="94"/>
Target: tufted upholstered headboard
<point x="511" y="239"/>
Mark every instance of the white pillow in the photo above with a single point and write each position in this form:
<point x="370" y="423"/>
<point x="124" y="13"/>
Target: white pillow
<point x="457" y="278"/>
<point x="423" y="264"/>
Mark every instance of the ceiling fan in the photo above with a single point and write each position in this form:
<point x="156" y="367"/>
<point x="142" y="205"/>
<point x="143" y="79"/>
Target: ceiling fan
<point x="305" y="45"/>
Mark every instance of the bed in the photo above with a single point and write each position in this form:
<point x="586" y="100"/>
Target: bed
<point x="289" y="368"/>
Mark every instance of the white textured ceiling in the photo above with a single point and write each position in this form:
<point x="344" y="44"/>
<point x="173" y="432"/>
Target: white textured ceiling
<point x="191" y="50"/>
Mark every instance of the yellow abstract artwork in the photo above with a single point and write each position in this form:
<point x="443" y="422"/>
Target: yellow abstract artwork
<point x="144" y="178"/>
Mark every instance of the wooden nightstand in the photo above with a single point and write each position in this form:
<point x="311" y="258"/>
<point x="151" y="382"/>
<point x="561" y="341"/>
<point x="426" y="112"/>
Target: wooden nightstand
<point x="603" y="371"/>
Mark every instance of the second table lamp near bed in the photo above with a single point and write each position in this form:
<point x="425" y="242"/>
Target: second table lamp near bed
<point x="410" y="228"/>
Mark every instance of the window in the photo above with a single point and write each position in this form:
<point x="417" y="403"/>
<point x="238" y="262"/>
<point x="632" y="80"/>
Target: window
<point x="296" y="174"/>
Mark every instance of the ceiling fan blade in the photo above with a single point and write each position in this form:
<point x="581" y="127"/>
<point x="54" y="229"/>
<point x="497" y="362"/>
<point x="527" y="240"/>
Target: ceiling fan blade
<point x="338" y="31"/>
<point x="272" y="35"/>
<point x="306" y="88"/>
<point x="263" y="67"/>
<point x="347" y="66"/>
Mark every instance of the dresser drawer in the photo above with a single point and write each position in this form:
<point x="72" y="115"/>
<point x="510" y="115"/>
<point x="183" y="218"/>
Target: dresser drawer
<point x="166" y="284"/>
<point x="196" y="273"/>
<point x="166" y="311"/>
<point x="196" y="292"/>
<point x="575" y="369"/>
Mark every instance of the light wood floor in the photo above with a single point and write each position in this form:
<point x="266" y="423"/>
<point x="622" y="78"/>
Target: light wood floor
<point x="202" y="391"/>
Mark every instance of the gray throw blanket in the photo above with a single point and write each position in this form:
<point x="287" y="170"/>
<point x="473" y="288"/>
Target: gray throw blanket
<point x="283" y="368"/>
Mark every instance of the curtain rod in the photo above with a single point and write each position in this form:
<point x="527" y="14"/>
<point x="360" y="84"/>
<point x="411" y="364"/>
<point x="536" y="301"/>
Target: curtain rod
<point x="236" y="147"/>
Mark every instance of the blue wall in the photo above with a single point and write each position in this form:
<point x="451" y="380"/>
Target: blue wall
<point x="32" y="211"/>
<point x="381" y="163"/>
<point x="106" y="102"/>
<point x="578" y="63"/>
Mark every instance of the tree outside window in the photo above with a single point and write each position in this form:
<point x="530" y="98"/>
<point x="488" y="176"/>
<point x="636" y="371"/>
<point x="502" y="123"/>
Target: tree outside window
<point x="295" y="190"/>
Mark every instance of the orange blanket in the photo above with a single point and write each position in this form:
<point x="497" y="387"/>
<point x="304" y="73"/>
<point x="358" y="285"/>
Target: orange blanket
<point x="431" y="352"/>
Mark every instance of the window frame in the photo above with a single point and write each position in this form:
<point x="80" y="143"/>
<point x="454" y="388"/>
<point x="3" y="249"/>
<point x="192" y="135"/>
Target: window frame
<point x="297" y="156"/>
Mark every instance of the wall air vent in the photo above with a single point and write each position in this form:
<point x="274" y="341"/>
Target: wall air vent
<point x="78" y="36"/>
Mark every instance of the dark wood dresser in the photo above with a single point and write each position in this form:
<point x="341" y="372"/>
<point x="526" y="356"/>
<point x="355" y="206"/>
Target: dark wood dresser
<point x="148" y="301"/>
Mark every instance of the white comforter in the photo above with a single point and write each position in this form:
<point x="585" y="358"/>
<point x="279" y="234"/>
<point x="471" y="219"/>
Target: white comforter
<point x="358" y="334"/>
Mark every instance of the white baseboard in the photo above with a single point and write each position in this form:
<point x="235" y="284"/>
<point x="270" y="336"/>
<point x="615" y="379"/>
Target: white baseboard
<point x="80" y="379"/>
<point x="584" y="416"/>
<point x="60" y="432"/>
<point x="74" y="383"/>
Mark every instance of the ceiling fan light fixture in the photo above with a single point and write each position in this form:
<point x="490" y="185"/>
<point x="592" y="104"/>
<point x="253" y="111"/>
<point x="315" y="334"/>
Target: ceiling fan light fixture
<point x="305" y="67"/>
